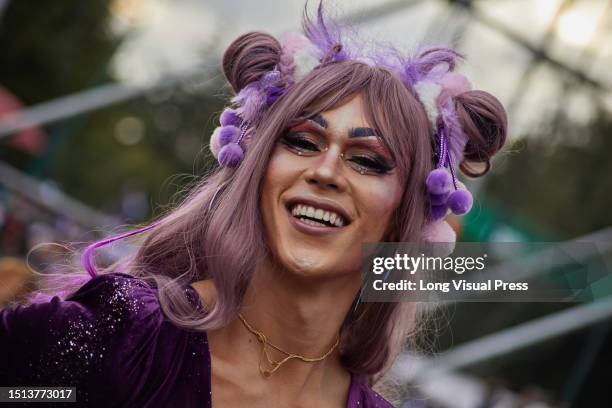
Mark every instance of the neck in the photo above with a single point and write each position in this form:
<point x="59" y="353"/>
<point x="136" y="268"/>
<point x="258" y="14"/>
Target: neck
<point x="299" y="314"/>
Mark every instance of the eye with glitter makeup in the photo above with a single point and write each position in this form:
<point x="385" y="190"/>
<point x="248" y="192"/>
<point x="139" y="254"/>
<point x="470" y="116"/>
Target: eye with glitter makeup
<point x="369" y="164"/>
<point x="367" y="157"/>
<point x="301" y="142"/>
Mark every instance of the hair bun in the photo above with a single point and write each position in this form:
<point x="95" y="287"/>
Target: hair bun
<point x="485" y="124"/>
<point x="248" y="57"/>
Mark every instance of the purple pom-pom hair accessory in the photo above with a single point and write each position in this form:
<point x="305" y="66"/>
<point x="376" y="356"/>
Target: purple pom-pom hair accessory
<point x="437" y="212"/>
<point x="460" y="201"/>
<point x="225" y="144"/>
<point x="439" y="183"/>
<point x="229" y="117"/>
<point x="222" y="136"/>
<point x="231" y="155"/>
<point x="251" y="102"/>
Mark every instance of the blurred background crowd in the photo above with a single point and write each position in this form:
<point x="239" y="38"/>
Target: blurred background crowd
<point x="106" y="107"/>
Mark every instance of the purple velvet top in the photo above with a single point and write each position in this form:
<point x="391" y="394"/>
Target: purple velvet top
<point x="111" y="340"/>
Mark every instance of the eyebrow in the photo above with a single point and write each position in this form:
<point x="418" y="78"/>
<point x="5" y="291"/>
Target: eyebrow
<point x="352" y="133"/>
<point x="361" y="132"/>
<point x="319" y="120"/>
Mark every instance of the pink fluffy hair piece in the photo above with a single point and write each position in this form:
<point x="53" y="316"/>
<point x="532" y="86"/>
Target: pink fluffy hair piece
<point x="442" y="234"/>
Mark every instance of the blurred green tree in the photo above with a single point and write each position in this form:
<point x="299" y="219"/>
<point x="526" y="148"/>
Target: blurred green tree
<point x="561" y="182"/>
<point x="51" y="49"/>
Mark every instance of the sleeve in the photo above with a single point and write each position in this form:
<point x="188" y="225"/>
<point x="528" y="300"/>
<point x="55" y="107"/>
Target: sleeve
<point x="82" y="341"/>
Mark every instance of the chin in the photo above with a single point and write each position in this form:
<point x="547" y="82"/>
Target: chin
<point x="317" y="263"/>
<point x="305" y="263"/>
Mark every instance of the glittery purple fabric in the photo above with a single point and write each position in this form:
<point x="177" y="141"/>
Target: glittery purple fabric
<point x="111" y="340"/>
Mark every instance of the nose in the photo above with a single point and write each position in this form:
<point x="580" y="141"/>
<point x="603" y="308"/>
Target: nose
<point x="327" y="172"/>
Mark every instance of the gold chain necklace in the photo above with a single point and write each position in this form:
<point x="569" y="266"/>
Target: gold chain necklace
<point x="275" y="364"/>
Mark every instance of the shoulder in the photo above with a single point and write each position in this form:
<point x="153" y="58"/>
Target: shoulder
<point x="117" y="299"/>
<point x="362" y="396"/>
<point x="65" y="333"/>
<point x="110" y="336"/>
<point x="118" y="296"/>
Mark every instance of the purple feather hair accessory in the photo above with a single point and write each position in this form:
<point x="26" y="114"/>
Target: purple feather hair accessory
<point x="272" y="94"/>
<point x="250" y="101"/>
<point x="258" y="95"/>
<point x="326" y="35"/>
<point x="270" y="79"/>
<point x="429" y="65"/>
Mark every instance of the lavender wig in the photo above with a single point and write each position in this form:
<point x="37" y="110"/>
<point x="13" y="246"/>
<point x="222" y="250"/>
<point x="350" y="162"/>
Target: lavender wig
<point x="221" y="217"/>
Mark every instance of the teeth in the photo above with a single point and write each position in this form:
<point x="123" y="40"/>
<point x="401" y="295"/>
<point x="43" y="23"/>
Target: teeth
<point x="318" y="214"/>
<point x="300" y="211"/>
<point x="311" y="222"/>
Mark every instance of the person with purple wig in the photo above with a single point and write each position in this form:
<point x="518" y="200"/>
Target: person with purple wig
<point x="248" y="292"/>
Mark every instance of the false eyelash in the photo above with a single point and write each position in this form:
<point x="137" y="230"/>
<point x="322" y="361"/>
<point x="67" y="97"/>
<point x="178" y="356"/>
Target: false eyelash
<point x="293" y="140"/>
<point x="377" y="165"/>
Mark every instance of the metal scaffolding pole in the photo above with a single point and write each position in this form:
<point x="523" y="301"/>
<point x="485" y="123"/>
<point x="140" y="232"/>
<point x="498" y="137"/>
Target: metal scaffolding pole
<point x="539" y="51"/>
<point x="52" y="199"/>
<point x="510" y="340"/>
<point x="79" y="103"/>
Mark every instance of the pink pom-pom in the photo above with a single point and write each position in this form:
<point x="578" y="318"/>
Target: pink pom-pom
<point x="452" y="85"/>
<point x="230" y="155"/>
<point x="439" y="182"/>
<point x="460" y="202"/>
<point x="214" y="145"/>
<point x="228" y="134"/>
<point x="229" y="117"/>
<point x="442" y="235"/>
<point x="437" y="212"/>
<point x="293" y="41"/>
<point x="439" y="231"/>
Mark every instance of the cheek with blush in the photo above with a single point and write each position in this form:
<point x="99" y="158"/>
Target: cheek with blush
<point x="379" y="199"/>
<point x="275" y="177"/>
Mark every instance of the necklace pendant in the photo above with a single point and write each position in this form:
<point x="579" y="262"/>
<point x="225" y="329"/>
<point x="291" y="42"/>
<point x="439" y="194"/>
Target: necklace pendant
<point x="267" y="372"/>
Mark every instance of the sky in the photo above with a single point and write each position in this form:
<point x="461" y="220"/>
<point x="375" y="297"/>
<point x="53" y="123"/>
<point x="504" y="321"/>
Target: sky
<point x="171" y="37"/>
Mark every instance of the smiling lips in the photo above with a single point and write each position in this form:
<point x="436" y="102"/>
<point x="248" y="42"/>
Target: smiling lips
<point x="317" y="216"/>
